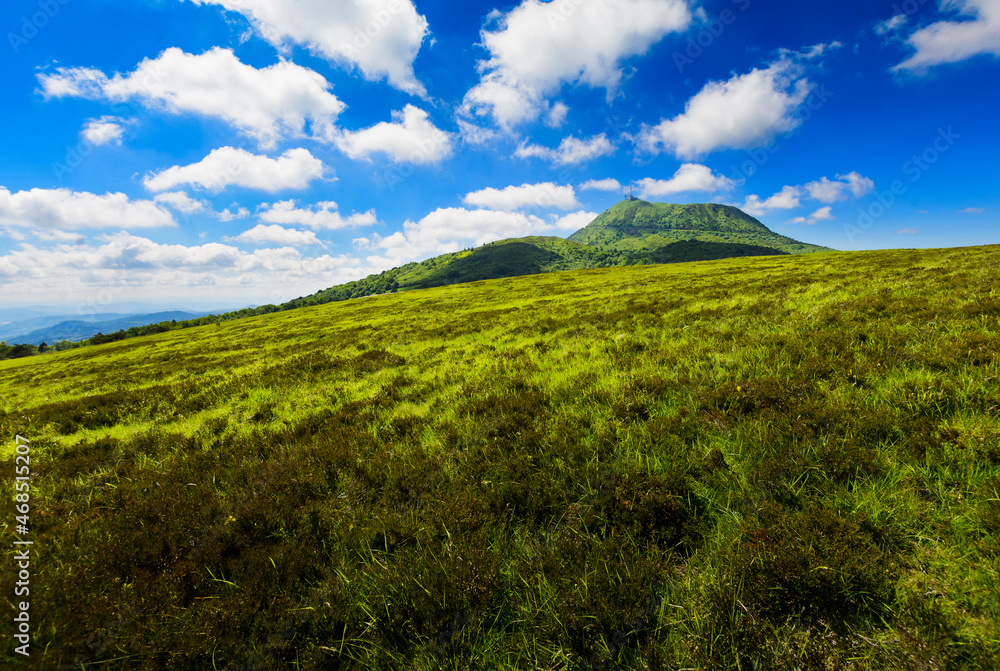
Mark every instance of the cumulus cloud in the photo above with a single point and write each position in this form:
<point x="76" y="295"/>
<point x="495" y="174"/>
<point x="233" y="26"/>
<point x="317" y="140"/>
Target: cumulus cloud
<point x="822" y="214"/>
<point x="851" y="184"/>
<point x="77" y="210"/>
<point x="544" y="195"/>
<point x="138" y="267"/>
<point x="411" y="137"/>
<point x="976" y="33"/>
<point x="227" y="166"/>
<point x="535" y="48"/>
<point x="746" y="111"/>
<point x="379" y="37"/>
<point x="786" y="199"/>
<point x="452" y="229"/>
<point x="571" y="151"/>
<point x="289" y="237"/>
<point x="689" y="177"/>
<point x="182" y="202"/>
<point x="105" y="130"/>
<point x="319" y="217"/>
<point x="266" y="104"/>
<point x="601" y="185"/>
<point x="823" y="190"/>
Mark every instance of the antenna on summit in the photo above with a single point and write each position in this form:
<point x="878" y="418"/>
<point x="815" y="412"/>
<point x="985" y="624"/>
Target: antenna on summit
<point x="630" y="196"/>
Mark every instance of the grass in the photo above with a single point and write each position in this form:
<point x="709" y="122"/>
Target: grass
<point x="766" y="463"/>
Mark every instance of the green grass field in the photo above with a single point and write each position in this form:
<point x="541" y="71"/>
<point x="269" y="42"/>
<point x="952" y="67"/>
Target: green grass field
<point x="765" y="463"/>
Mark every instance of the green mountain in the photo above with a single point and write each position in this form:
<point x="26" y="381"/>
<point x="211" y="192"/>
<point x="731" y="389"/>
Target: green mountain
<point x="633" y="232"/>
<point x="637" y="224"/>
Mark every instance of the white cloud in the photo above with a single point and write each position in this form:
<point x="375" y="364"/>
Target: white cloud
<point x="822" y="214"/>
<point x="131" y="267"/>
<point x="953" y="41"/>
<point x="746" y="111"/>
<point x="227" y="166"/>
<point x="786" y="199"/>
<point x="571" y="150"/>
<point x="411" y="137"/>
<point x="823" y="190"/>
<point x="476" y="136"/>
<point x="227" y="215"/>
<point x="574" y="221"/>
<point x="182" y="202"/>
<point x="537" y="47"/>
<point x="321" y="216"/>
<point x="290" y="237"/>
<point x="545" y="195"/>
<point x="689" y="177"/>
<point x="907" y="231"/>
<point x="851" y="184"/>
<point x="76" y="210"/>
<point x="269" y="104"/>
<point x="380" y="37"/>
<point x="556" y="116"/>
<point x="105" y="130"/>
<point x="972" y="210"/>
<point x="452" y="229"/>
<point x="601" y="185"/>
<point x="891" y="25"/>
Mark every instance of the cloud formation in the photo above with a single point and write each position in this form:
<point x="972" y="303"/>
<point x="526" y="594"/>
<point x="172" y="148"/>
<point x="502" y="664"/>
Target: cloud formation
<point x="977" y="33"/>
<point x="411" y="137"/>
<point x="541" y="196"/>
<point x="537" y="47"/>
<point x="319" y="217"/>
<point x="274" y="234"/>
<point x="571" y="151"/>
<point x="279" y="101"/>
<point x="228" y="166"/>
<point x="745" y="111"/>
<point x="379" y="37"/>
<point x="67" y="210"/>
<point x="689" y="177"/>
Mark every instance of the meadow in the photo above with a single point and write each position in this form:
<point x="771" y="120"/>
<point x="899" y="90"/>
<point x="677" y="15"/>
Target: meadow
<point x="765" y="463"/>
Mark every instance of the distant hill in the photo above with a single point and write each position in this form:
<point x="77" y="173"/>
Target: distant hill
<point x="637" y="224"/>
<point x="633" y="232"/>
<point x="16" y="329"/>
<point x="80" y="329"/>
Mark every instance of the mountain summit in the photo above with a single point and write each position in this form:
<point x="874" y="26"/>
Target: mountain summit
<point x="638" y="224"/>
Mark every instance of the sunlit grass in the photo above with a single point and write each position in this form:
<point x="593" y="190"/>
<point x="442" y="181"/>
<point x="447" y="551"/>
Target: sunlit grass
<point x="760" y="463"/>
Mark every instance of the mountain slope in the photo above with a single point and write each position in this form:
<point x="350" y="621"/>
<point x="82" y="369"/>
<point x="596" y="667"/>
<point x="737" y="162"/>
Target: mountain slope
<point x="637" y="224"/>
<point x="80" y="329"/>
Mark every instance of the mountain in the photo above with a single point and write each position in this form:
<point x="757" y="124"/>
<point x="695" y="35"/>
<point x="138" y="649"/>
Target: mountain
<point x="15" y="331"/>
<point x="637" y="224"/>
<point x="82" y="328"/>
<point x="632" y="232"/>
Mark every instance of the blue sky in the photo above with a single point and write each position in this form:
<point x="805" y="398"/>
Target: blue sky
<point x="233" y="152"/>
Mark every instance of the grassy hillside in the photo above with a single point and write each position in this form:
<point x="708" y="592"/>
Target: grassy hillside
<point x="637" y="224"/>
<point x="784" y="462"/>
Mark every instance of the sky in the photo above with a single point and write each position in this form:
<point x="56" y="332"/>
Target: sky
<point x="223" y="153"/>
